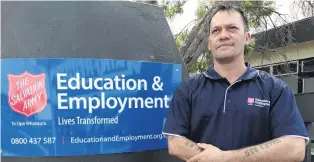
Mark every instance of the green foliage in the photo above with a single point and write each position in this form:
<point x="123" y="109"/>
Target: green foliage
<point x="202" y="64"/>
<point x="201" y="10"/>
<point x="257" y="11"/>
<point x="200" y="13"/>
<point x="181" y="37"/>
<point x="248" y="3"/>
<point x="249" y="48"/>
<point x="172" y="8"/>
<point x="193" y="68"/>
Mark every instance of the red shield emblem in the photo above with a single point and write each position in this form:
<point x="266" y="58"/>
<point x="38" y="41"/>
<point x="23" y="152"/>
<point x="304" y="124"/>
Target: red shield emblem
<point x="250" y="100"/>
<point x="27" y="93"/>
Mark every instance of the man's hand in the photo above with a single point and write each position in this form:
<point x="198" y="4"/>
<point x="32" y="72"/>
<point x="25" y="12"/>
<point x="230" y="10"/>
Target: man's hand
<point x="210" y="154"/>
<point x="182" y="147"/>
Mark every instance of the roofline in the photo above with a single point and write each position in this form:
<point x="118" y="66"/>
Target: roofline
<point x="300" y="31"/>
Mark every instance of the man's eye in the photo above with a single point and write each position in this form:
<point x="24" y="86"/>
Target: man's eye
<point x="214" y="31"/>
<point x="233" y="27"/>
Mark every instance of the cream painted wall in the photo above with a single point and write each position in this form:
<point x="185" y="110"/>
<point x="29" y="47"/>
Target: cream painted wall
<point x="295" y="52"/>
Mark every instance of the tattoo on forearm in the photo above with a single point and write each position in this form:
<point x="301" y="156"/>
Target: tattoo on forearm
<point x="192" y="145"/>
<point x="253" y="150"/>
<point x="189" y="144"/>
<point x="268" y="144"/>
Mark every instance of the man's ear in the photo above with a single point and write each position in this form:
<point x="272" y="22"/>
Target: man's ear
<point x="247" y="38"/>
<point x="208" y="45"/>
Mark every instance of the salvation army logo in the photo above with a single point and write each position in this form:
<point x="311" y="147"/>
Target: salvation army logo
<point x="250" y="101"/>
<point x="27" y="93"/>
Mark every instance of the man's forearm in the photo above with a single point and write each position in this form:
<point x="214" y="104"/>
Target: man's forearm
<point x="182" y="147"/>
<point x="285" y="149"/>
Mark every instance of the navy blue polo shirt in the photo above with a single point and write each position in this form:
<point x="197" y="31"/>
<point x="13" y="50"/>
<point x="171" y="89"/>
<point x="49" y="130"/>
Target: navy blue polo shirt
<point x="258" y="107"/>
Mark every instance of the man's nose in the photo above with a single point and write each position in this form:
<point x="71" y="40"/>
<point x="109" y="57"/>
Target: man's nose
<point x="224" y="35"/>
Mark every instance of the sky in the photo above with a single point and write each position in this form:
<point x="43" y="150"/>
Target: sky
<point x="189" y="14"/>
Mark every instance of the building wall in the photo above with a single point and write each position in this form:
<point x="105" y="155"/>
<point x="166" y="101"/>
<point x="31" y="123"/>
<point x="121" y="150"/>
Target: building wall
<point x="295" y="52"/>
<point x="274" y="63"/>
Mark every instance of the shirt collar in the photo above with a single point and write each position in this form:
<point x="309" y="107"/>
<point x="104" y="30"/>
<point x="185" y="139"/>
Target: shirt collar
<point x="251" y="73"/>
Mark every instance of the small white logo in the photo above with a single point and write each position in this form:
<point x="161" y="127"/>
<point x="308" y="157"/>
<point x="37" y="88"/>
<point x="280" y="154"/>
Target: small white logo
<point x="258" y="102"/>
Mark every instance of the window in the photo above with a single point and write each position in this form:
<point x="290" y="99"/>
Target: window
<point x="299" y="80"/>
<point x="308" y="79"/>
<point x="308" y="65"/>
<point x="287" y="72"/>
<point x="285" y="68"/>
<point x="308" y="85"/>
<point x="265" y="68"/>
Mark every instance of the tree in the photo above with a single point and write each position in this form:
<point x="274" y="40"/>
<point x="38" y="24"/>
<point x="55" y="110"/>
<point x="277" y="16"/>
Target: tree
<point x="171" y="8"/>
<point x="196" y="44"/>
<point x="262" y="15"/>
<point x="305" y="7"/>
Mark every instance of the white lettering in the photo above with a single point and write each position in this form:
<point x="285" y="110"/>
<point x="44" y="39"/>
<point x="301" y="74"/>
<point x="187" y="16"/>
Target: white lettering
<point x="77" y="101"/>
<point x="115" y="103"/>
<point x="91" y="105"/>
<point x="136" y="101"/>
<point x="59" y="81"/>
<point x="96" y="82"/>
<point x="118" y="83"/>
<point x="89" y="84"/>
<point x="108" y="85"/>
<point x="100" y="101"/>
<point x="76" y="80"/>
<point x="131" y="84"/>
<point x="166" y="101"/>
<point x="122" y="104"/>
<point x="117" y="80"/>
<point x="60" y="101"/>
<point x="148" y="103"/>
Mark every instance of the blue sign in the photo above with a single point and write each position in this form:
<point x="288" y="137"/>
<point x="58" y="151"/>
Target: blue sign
<point x="79" y="106"/>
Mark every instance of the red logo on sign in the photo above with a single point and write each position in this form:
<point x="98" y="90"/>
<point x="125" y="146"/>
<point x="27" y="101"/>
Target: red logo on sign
<point x="250" y="100"/>
<point x="27" y="93"/>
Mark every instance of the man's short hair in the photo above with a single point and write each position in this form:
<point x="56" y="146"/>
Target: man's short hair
<point x="226" y="7"/>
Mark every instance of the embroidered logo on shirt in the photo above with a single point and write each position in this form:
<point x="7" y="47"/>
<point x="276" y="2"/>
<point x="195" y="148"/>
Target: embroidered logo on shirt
<point x="258" y="102"/>
<point x="250" y="101"/>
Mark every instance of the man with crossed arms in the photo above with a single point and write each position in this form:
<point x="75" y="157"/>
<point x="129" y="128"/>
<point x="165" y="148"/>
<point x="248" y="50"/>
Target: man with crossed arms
<point x="233" y="112"/>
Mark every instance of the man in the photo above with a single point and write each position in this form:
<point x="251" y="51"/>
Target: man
<point x="233" y="112"/>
